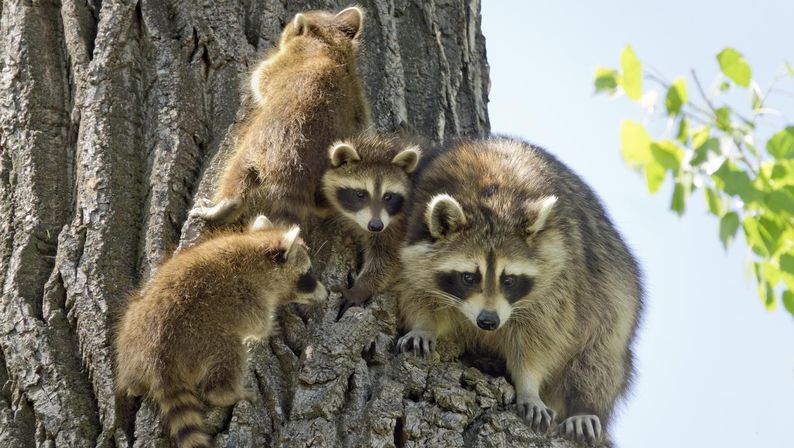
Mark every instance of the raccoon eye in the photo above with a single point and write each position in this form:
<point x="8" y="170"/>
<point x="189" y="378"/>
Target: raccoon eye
<point x="509" y="281"/>
<point x="468" y="278"/>
<point x="387" y="197"/>
<point x="361" y="194"/>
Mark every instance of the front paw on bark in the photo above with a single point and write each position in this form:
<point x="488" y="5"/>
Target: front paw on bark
<point x="420" y="343"/>
<point x="350" y="298"/>
<point x="582" y="428"/>
<point x="536" y="414"/>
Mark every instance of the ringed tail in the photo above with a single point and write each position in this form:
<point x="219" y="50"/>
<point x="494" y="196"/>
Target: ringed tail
<point x="183" y="416"/>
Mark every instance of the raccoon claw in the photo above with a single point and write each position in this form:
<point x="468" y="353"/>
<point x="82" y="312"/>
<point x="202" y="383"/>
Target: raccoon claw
<point x="536" y="415"/>
<point x="582" y="428"/>
<point x="419" y="342"/>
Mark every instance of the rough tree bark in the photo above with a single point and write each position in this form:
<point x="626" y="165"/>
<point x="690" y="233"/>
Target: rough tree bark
<point x="113" y="117"/>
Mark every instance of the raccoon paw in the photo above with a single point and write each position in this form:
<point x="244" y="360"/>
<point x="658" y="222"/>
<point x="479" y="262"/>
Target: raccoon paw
<point x="201" y="208"/>
<point x="419" y="342"/>
<point x="582" y="428"/>
<point x="536" y="414"/>
<point x="352" y="297"/>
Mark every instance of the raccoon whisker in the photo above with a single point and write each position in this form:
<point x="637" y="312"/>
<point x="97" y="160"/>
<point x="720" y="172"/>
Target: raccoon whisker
<point x="319" y="248"/>
<point x="449" y="298"/>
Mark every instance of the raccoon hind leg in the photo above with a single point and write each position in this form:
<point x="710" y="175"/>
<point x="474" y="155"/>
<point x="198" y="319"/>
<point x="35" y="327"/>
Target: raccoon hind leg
<point x="223" y="383"/>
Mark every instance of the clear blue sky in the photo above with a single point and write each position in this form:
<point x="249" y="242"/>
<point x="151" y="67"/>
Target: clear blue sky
<point x="715" y="368"/>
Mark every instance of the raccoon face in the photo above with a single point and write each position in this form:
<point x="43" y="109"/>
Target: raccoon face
<point x="293" y="265"/>
<point x="371" y="195"/>
<point x="478" y="267"/>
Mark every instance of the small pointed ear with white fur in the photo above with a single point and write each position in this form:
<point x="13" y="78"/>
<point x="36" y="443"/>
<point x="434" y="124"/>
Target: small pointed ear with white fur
<point x="539" y="213"/>
<point x="444" y="216"/>
<point x="290" y="241"/>
<point x="261" y="222"/>
<point x="342" y="153"/>
<point x="300" y="24"/>
<point x="408" y="158"/>
<point x="350" y="20"/>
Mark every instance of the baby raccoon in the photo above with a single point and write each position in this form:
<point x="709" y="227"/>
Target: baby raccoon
<point x="182" y="335"/>
<point x="307" y="94"/>
<point x="511" y="252"/>
<point x="368" y="185"/>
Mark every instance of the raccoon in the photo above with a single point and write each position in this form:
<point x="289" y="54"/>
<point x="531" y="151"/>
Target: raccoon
<point x="181" y="336"/>
<point x="368" y="185"/>
<point x="511" y="252"/>
<point x="307" y="93"/>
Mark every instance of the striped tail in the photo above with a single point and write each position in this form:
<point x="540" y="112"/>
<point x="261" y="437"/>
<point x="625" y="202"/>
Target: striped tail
<point x="183" y="415"/>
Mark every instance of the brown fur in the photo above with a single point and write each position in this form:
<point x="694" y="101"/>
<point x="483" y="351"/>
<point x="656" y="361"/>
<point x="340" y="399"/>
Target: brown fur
<point x="377" y="164"/>
<point x="512" y="207"/>
<point x="182" y="335"/>
<point x="307" y="94"/>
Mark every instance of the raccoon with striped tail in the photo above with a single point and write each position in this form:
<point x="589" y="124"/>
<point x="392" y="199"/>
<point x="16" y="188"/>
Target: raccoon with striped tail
<point x="512" y="253"/>
<point x="181" y="337"/>
<point x="307" y="93"/>
<point x="368" y="186"/>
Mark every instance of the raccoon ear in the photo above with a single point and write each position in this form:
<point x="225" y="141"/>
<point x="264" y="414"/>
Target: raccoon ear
<point x="444" y="216"/>
<point x="261" y="222"/>
<point x="342" y="153"/>
<point x="350" y="20"/>
<point x="290" y="238"/>
<point x="299" y="24"/>
<point x="408" y="158"/>
<point x="540" y="210"/>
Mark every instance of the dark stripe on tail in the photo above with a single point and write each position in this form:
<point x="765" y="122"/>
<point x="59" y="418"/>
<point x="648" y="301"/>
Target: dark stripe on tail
<point x="183" y="415"/>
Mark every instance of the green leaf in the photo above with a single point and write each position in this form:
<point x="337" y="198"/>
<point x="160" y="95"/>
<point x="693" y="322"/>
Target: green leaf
<point x="700" y="136"/>
<point x="683" y="131"/>
<point x="729" y="224"/>
<point x="606" y="80"/>
<point x="680" y="193"/>
<point x="732" y="180"/>
<point x="781" y="201"/>
<point x="781" y="145"/>
<point x="725" y="86"/>
<point x="788" y="301"/>
<point x="654" y="176"/>
<point x="701" y="151"/>
<point x="753" y="237"/>
<point x="770" y="233"/>
<point x="713" y="200"/>
<point x="668" y="154"/>
<point x="767" y="293"/>
<point x="635" y="143"/>
<point x="723" y="118"/>
<point x="632" y="73"/>
<point x="734" y="66"/>
<point x="676" y="96"/>
<point x="787" y="263"/>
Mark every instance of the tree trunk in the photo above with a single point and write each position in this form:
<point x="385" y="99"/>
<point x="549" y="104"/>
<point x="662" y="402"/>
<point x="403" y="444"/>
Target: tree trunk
<point x="113" y="116"/>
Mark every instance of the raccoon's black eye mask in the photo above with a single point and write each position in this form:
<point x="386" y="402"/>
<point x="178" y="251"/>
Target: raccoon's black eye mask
<point x="515" y="287"/>
<point x="459" y="284"/>
<point x="352" y="199"/>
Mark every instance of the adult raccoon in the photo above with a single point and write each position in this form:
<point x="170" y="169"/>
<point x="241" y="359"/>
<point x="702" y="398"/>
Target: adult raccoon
<point x="511" y="252"/>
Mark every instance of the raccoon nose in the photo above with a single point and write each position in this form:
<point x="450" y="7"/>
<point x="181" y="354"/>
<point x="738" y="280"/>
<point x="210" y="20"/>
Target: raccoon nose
<point x="375" y="225"/>
<point x="488" y="320"/>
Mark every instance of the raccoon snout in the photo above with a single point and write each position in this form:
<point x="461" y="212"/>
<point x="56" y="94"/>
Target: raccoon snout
<point x="375" y="225"/>
<point x="488" y="320"/>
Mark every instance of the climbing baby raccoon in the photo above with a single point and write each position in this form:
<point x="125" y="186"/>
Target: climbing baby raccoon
<point x="368" y="186"/>
<point x="182" y="335"/>
<point x="307" y="94"/>
<point x="509" y="251"/>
